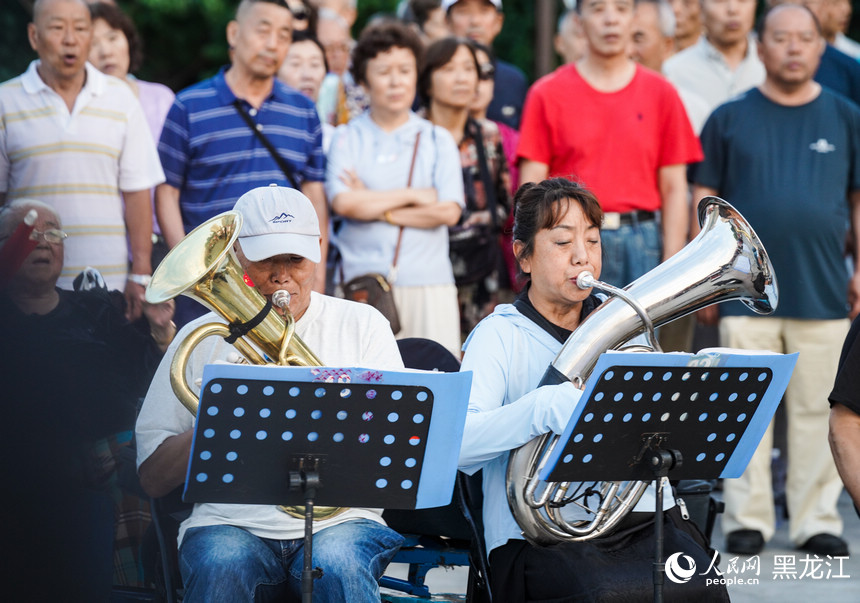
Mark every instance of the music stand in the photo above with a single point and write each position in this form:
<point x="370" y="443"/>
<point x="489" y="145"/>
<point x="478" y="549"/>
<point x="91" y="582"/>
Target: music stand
<point x="641" y="415"/>
<point x="340" y="437"/>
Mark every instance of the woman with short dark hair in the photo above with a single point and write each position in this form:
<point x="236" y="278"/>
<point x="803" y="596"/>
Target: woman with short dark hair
<point x="448" y="85"/>
<point x="556" y="238"/>
<point x="395" y="178"/>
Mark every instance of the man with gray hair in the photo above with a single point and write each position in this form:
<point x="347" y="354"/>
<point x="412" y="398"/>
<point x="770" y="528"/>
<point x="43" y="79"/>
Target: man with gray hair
<point x="240" y="128"/>
<point x="569" y="42"/>
<point x="787" y="155"/>
<point x="78" y="140"/>
<point x="724" y="61"/>
<point x="654" y="42"/>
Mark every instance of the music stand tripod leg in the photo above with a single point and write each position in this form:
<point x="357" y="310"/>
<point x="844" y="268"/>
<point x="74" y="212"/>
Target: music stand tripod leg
<point x="660" y="461"/>
<point x="307" y="481"/>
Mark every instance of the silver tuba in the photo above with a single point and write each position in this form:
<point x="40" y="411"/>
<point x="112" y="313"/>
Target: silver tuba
<point x="725" y="261"/>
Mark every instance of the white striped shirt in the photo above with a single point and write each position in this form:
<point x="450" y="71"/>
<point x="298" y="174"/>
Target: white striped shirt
<point x="78" y="163"/>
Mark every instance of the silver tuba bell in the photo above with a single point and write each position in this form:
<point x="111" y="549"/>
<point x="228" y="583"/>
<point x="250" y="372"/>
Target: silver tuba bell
<point x="725" y="261"/>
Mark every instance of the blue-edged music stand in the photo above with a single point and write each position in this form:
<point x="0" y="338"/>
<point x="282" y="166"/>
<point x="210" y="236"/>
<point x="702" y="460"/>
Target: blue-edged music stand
<point x="340" y="437"/>
<point x="642" y="416"/>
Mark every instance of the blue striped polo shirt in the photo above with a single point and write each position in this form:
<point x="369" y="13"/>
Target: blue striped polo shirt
<point x="209" y="153"/>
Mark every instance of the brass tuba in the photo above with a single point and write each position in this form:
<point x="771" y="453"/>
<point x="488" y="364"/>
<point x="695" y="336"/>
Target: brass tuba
<point x="204" y="267"/>
<point x="725" y="261"/>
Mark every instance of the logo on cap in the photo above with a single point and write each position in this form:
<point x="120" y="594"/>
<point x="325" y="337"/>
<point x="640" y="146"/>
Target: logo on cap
<point x="284" y="218"/>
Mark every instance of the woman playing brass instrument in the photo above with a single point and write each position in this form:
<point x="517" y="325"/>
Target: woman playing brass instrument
<point x="556" y="237"/>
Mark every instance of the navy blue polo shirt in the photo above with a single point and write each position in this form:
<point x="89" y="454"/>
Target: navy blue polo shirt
<point x="211" y="155"/>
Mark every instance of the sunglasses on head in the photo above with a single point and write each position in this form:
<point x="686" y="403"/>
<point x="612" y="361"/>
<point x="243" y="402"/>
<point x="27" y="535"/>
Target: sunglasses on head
<point x="487" y="71"/>
<point x="300" y="12"/>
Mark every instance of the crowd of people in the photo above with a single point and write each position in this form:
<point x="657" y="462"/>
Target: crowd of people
<point x="409" y="150"/>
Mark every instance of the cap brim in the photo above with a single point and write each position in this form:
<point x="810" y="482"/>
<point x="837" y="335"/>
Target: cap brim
<point x="263" y="247"/>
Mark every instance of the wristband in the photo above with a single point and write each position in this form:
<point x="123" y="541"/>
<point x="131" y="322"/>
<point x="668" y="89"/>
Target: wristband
<point x="140" y="279"/>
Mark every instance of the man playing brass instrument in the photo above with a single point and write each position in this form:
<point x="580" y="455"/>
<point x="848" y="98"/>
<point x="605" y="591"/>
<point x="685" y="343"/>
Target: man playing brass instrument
<point x="232" y="552"/>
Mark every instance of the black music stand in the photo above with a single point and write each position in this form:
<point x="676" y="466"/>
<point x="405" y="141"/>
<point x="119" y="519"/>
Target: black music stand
<point x="326" y="436"/>
<point x="643" y="417"/>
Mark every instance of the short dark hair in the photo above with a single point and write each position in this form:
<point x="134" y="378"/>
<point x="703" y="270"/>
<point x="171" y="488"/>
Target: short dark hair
<point x="116" y="19"/>
<point x="761" y="25"/>
<point x="541" y="205"/>
<point x="420" y="10"/>
<point x="438" y="54"/>
<point x="380" y="38"/>
<point x="304" y="35"/>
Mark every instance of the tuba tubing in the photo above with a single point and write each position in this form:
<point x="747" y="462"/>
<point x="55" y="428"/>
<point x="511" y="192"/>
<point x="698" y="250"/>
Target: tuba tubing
<point x="725" y="261"/>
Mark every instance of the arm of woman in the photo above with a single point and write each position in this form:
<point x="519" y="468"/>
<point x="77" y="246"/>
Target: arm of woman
<point x="359" y="203"/>
<point x="493" y="427"/>
<point x="446" y="213"/>
<point x="348" y="194"/>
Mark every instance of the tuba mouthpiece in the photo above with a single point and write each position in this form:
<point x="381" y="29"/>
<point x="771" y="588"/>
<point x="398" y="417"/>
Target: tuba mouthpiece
<point x="281" y="298"/>
<point x="585" y="280"/>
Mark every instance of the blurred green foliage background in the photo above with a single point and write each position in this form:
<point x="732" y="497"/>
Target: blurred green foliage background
<point x="184" y="40"/>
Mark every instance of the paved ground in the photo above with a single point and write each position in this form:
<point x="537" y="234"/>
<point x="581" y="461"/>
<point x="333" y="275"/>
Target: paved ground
<point x="785" y="575"/>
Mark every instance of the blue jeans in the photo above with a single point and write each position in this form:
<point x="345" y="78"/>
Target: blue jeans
<point x="226" y="563"/>
<point x="630" y="252"/>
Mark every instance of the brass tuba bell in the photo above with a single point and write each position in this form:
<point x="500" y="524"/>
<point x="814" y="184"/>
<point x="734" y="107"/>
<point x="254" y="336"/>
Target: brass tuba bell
<point x="204" y="267"/>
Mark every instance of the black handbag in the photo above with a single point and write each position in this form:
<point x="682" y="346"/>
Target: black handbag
<point x="475" y="250"/>
<point x="375" y="289"/>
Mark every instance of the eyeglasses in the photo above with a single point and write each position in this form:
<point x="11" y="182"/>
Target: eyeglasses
<point x="486" y="72"/>
<point x="54" y="236"/>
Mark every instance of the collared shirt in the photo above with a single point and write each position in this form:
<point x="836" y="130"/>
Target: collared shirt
<point x="703" y="69"/>
<point x="78" y="162"/>
<point x="210" y="154"/>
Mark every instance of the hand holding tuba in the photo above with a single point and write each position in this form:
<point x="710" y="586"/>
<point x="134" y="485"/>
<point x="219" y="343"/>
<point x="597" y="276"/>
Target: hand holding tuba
<point x="725" y="261"/>
<point x="204" y="267"/>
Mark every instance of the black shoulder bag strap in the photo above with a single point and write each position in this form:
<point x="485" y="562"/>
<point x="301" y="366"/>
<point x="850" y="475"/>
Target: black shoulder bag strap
<point x="275" y="155"/>
<point x="484" y="170"/>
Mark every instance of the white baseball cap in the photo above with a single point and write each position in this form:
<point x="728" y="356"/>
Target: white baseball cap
<point x="277" y="220"/>
<point x="446" y="4"/>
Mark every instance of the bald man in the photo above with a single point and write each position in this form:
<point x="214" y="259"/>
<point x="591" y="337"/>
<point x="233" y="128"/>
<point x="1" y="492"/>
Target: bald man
<point x="78" y="140"/>
<point x="211" y="146"/>
<point x="786" y="155"/>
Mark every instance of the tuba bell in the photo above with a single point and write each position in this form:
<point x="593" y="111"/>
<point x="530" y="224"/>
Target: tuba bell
<point x="204" y="267"/>
<point x="725" y="261"/>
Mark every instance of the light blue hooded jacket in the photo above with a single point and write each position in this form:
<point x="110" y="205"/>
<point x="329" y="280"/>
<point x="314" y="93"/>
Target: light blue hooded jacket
<point x="508" y="354"/>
